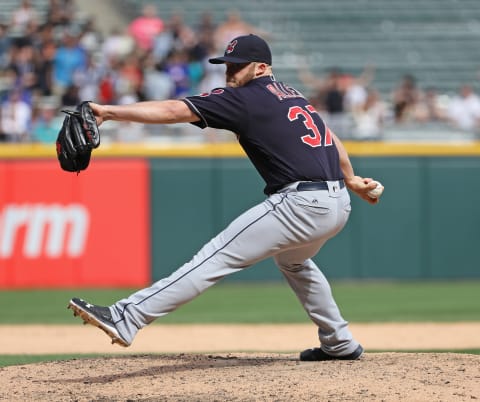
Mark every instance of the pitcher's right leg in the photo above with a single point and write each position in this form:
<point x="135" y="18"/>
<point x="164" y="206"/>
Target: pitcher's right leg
<point x="253" y="236"/>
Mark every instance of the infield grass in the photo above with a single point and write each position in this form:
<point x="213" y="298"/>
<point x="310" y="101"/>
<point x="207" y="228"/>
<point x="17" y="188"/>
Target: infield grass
<point x="13" y="360"/>
<point x="268" y="303"/>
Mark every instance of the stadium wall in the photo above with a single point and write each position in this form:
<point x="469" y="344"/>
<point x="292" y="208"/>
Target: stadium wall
<point x="150" y="209"/>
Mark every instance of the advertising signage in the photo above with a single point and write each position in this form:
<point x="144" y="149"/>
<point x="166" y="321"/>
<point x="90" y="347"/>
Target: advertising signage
<point x="60" y="229"/>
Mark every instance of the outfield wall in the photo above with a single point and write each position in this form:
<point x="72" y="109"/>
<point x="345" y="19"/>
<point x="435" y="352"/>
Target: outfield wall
<point x="139" y="212"/>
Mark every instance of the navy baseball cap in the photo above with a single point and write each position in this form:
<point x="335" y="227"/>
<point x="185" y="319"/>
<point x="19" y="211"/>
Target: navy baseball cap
<point x="245" y="49"/>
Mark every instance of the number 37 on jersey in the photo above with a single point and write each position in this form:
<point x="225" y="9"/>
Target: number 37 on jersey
<point x="314" y="138"/>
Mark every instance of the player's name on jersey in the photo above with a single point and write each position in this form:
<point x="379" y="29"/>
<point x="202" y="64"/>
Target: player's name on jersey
<point x="282" y="91"/>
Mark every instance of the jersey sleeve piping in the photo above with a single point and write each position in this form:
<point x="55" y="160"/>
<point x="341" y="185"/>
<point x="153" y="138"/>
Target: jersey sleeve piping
<point x="194" y="109"/>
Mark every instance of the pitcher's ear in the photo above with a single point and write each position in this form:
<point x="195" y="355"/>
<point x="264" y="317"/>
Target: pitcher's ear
<point x="260" y="68"/>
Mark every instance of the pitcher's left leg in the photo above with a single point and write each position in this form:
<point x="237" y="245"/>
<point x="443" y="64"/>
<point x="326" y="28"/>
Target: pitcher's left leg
<point x="314" y="292"/>
<point x="306" y="279"/>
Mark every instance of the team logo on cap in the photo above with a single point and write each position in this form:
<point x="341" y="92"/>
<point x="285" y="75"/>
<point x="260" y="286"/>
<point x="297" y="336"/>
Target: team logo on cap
<point x="231" y="46"/>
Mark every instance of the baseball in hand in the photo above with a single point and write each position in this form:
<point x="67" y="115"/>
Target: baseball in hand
<point x="377" y="191"/>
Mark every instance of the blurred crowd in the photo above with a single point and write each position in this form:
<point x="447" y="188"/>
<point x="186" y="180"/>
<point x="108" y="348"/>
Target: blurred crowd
<point x="351" y="104"/>
<point x="56" y="59"/>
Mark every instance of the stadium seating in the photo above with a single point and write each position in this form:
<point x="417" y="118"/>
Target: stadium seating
<point x="8" y="6"/>
<point x="434" y="40"/>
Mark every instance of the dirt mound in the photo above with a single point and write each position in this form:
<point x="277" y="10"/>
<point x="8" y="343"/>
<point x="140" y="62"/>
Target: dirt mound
<point x="152" y="368"/>
<point x="247" y="377"/>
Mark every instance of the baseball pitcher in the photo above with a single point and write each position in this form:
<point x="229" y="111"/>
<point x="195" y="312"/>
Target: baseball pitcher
<point x="307" y="175"/>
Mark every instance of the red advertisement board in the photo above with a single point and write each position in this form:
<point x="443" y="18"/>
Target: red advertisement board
<point x="60" y="229"/>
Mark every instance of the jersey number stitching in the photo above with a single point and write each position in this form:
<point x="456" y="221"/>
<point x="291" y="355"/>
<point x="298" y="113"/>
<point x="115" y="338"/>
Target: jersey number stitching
<point x="315" y="139"/>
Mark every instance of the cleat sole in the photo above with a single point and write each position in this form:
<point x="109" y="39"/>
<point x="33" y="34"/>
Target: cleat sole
<point x="88" y="319"/>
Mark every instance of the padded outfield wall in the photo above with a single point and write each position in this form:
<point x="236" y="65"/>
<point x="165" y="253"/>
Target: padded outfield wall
<point x="140" y="212"/>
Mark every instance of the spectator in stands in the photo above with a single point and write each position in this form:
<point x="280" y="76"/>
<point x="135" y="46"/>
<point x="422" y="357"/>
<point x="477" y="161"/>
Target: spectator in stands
<point x="22" y="17"/>
<point x="70" y="98"/>
<point x="405" y="97"/>
<point x="205" y="30"/>
<point x="464" y="110"/>
<point x="163" y="43"/>
<point x="202" y="47"/>
<point x="8" y="81"/>
<point x="22" y="61"/>
<point x="213" y="74"/>
<point x="88" y="79"/>
<point x="145" y="27"/>
<point x="234" y="26"/>
<point x="356" y="89"/>
<point x="328" y="97"/>
<point x="12" y="83"/>
<point x="5" y="44"/>
<point x="60" y="13"/>
<point x="130" y="75"/>
<point x="44" y="67"/>
<point x="204" y="41"/>
<point x="429" y="108"/>
<point x="45" y="34"/>
<point x="69" y="57"/>
<point x="370" y="118"/>
<point x="176" y="36"/>
<point x="195" y="73"/>
<point x="16" y="117"/>
<point x="157" y="84"/>
<point x="177" y="69"/>
<point x="321" y="87"/>
<point x="106" y="86"/>
<point x="46" y="124"/>
<point x="116" y="45"/>
<point x="334" y="92"/>
<point x="334" y="102"/>
<point x="90" y="37"/>
<point x="184" y="37"/>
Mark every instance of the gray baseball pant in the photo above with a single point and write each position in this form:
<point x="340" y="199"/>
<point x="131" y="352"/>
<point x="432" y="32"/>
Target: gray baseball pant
<point x="291" y="227"/>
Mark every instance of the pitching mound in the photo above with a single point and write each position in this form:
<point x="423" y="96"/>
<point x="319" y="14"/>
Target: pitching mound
<point x="247" y="377"/>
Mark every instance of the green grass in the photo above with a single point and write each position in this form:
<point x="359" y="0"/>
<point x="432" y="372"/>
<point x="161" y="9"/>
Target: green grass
<point x="418" y="301"/>
<point x="268" y="302"/>
<point x="11" y="360"/>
